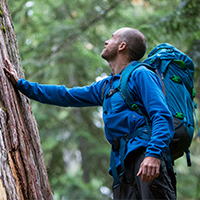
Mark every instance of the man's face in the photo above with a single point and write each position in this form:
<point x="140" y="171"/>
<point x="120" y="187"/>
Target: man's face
<point x="111" y="47"/>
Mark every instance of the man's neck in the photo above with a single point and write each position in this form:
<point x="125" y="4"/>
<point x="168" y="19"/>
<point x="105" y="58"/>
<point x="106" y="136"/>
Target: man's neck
<point x="117" y="66"/>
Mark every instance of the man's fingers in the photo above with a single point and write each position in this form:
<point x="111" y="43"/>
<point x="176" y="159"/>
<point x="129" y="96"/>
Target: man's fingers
<point x="9" y="64"/>
<point x="150" y="173"/>
<point x="11" y="73"/>
<point x="149" y="169"/>
<point x="139" y="172"/>
<point x="6" y="70"/>
<point x="144" y="173"/>
<point x="157" y="172"/>
<point x="153" y="171"/>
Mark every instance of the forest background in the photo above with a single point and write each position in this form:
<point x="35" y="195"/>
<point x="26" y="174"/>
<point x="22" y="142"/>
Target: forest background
<point x="60" y="43"/>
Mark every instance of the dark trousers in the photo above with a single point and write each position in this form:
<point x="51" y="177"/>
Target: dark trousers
<point x="132" y="187"/>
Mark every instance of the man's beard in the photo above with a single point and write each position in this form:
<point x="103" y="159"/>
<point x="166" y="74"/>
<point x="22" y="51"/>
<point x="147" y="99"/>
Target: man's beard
<point x="109" y="54"/>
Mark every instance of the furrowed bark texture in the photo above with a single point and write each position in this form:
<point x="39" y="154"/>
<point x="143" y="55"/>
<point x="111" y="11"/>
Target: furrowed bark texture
<point x="22" y="170"/>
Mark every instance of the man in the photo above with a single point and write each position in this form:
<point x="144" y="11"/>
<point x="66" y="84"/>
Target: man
<point x="145" y="174"/>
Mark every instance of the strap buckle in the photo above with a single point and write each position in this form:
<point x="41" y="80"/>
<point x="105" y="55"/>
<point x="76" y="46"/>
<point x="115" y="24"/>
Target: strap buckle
<point x="111" y="92"/>
<point x="135" y="107"/>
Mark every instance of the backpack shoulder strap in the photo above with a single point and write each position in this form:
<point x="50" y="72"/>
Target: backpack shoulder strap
<point x="124" y="82"/>
<point x="123" y="88"/>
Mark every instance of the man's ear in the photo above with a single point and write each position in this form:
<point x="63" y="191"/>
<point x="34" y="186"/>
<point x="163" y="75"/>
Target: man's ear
<point x="122" y="46"/>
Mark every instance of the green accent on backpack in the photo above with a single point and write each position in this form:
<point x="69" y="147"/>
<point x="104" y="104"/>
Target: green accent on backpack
<point x="193" y="93"/>
<point x="176" y="79"/>
<point x="179" y="115"/>
<point x="180" y="63"/>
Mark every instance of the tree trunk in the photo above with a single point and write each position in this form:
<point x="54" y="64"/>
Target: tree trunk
<point x="22" y="170"/>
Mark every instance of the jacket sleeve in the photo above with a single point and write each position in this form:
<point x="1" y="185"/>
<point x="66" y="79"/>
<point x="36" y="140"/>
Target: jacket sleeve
<point x="62" y="96"/>
<point x="148" y="88"/>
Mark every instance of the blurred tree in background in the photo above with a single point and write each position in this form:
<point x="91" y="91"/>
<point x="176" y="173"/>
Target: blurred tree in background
<point x="60" y="43"/>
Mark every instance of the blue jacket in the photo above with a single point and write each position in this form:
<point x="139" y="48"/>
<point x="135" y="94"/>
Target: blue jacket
<point x="146" y="88"/>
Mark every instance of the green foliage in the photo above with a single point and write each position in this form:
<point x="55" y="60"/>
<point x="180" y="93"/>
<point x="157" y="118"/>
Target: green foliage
<point x="60" y="43"/>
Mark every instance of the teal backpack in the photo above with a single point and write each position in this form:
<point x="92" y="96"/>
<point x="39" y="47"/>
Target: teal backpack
<point x="176" y="71"/>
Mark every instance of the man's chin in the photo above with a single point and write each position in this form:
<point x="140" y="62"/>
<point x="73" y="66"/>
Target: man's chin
<point x="103" y="55"/>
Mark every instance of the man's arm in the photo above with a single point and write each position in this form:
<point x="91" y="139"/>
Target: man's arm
<point x="57" y="94"/>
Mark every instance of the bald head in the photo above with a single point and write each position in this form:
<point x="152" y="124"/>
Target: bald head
<point x="135" y="41"/>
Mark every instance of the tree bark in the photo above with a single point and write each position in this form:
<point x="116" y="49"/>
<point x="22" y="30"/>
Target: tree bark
<point x="23" y="173"/>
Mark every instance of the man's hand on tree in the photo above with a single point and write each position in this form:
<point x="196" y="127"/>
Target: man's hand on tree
<point x="11" y="73"/>
<point x="149" y="169"/>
